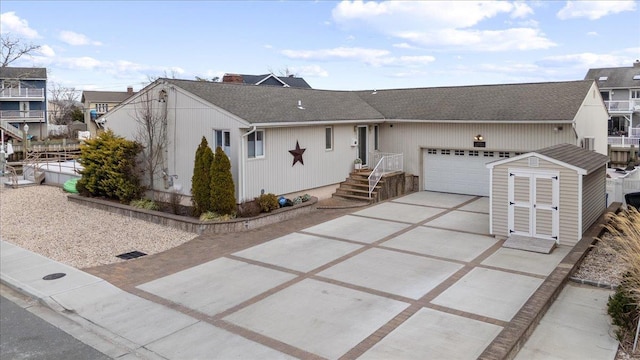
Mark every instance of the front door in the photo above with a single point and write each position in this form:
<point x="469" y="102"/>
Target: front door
<point x="363" y="132"/>
<point x="533" y="204"/>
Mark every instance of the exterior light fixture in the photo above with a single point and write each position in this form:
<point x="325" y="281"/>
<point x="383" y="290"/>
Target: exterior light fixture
<point x="478" y="138"/>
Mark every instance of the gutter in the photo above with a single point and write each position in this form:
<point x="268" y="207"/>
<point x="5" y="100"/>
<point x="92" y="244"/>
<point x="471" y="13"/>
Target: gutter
<point x="380" y="121"/>
<point x="243" y="165"/>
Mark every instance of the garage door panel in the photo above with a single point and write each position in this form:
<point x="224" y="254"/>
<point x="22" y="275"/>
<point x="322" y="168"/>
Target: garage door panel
<point x="456" y="174"/>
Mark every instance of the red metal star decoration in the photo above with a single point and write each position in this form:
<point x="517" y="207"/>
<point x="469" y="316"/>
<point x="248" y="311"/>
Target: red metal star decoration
<point x="297" y="154"/>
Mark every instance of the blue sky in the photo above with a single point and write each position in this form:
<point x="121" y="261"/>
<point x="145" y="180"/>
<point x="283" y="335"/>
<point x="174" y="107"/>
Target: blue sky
<point x="348" y="45"/>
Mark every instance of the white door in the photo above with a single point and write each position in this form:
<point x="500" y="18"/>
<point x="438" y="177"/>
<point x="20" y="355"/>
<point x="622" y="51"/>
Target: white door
<point x="534" y="204"/>
<point x="457" y="171"/>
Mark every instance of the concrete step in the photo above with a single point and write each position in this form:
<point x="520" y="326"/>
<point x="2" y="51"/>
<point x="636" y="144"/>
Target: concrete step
<point x="355" y="197"/>
<point x="356" y="191"/>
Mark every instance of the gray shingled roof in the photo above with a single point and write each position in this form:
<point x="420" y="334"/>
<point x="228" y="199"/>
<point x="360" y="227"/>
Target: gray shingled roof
<point x="557" y="101"/>
<point x="105" y="96"/>
<point x="264" y="104"/>
<point x="23" y="73"/>
<point x="508" y="102"/>
<point x="292" y="81"/>
<point x="620" y="77"/>
<point x="576" y="156"/>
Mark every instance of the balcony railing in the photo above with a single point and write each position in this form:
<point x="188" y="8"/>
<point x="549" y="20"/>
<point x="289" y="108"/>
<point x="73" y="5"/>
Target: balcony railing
<point x="23" y="93"/>
<point x="22" y="115"/>
<point x="622" y="105"/>
<point x="624" y="141"/>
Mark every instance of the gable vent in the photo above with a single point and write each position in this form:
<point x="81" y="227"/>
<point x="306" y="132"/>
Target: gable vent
<point x="589" y="143"/>
<point x="533" y="161"/>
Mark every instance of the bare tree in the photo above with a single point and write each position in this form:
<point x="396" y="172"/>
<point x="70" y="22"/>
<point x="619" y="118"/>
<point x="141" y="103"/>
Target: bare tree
<point x="13" y="49"/>
<point x="286" y="72"/>
<point x="151" y="118"/>
<point x="64" y="102"/>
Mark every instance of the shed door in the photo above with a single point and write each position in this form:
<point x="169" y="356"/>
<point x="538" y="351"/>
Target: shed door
<point x="533" y="204"/>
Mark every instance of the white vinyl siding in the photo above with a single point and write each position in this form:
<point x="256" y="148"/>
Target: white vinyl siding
<point x="594" y="197"/>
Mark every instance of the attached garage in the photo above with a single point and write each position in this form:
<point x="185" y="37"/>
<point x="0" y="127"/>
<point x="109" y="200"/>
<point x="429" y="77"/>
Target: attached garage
<point x="555" y="193"/>
<point x="457" y="171"/>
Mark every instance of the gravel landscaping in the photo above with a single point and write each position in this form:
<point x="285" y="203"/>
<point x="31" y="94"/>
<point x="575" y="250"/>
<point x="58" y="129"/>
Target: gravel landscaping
<point x="40" y="219"/>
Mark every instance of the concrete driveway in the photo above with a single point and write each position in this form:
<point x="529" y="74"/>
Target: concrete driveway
<point x="416" y="277"/>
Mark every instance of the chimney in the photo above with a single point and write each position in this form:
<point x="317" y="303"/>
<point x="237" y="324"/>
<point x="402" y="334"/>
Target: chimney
<point x="232" y="78"/>
<point x="636" y="64"/>
<point x="129" y="90"/>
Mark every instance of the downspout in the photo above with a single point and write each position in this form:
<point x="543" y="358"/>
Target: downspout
<point x="243" y="165"/>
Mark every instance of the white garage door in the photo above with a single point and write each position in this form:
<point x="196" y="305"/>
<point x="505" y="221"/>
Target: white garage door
<point x="457" y="171"/>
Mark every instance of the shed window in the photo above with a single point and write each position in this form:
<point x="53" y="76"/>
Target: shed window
<point x="255" y="144"/>
<point x="328" y="138"/>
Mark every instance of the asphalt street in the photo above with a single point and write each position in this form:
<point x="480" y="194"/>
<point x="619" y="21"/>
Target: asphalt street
<point x="24" y="335"/>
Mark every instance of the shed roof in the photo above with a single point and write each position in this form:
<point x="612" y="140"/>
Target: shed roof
<point x="105" y="96"/>
<point x="531" y="102"/>
<point x="619" y="77"/>
<point x="582" y="160"/>
<point x="23" y="73"/>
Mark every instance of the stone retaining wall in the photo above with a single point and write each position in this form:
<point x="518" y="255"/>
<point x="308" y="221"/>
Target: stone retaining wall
<point x="194" y="225"/>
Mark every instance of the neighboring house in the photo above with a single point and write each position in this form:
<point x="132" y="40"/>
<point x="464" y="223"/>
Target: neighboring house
<point x="446" y="135"/>
<point x="267" y="79"/>
<point x="98" y="103"/>
<point x="620" y="90"/>
<point x="23" y="101"/>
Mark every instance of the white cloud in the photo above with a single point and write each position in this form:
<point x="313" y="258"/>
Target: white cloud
<point x="587" y="61"/>
<point x="373" y="57"/>
<point x="594" y="10"/>
<point x="486" y="40"/>
<point x="12" y="24"/>
<point x="76" y="39"/>
<point x="404" y="45"/>
<point x="340" y="53"/>
<point x="446" y="23"/>
<point x="593" y="33"/>
<point x="310" y="71"/>
<point x="46" y="50"/>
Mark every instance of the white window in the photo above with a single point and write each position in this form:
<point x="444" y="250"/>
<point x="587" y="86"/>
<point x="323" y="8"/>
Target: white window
<point x="255" y="144"/>
<point x="635" y="94"/>
<point x="222" y="138"/>
<point x="328" y="138"/>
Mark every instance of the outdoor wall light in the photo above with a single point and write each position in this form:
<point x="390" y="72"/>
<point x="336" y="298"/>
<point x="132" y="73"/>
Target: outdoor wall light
<point x="478" y="137"/>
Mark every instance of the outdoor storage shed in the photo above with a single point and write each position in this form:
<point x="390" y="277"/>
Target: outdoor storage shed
<point x="554" y="193"/>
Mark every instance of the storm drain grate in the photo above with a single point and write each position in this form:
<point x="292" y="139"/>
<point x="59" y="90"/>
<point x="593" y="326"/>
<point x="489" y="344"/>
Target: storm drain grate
<point x="54" y="276"/>
<point x="131" y="255"/>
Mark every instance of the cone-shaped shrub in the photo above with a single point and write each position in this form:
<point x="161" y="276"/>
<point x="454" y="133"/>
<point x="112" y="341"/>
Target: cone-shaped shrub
<point x="223" y="198"/>
<point x="201" y="179"/>
<point x="110" y="168"/>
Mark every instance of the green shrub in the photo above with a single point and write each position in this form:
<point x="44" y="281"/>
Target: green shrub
<point x="623" y="311"/>
<point x="109" y="168"/>
<point x="223" y="192"/>
<point x="268" y="202"/>
<point x="201" y="179"/>
<point x="146" y="204"/>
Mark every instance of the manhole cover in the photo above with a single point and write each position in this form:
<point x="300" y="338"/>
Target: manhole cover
<point x="54" y="276"/>
<point x="131" y="255"/>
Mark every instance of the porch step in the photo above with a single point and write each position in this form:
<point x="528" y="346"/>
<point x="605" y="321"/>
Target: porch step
<point x="364" y="192"/>
<point x="355" y="197"/>
<point x="20" y="183"/>
<point x="518" y="242"/>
